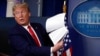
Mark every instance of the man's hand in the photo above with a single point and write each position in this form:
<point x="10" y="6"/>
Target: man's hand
<point x="58" y="46"/>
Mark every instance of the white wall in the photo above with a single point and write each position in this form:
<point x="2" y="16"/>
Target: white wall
<point x="10" y="4"/>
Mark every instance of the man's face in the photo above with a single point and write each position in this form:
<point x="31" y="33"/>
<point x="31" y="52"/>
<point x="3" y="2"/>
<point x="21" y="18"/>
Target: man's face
<point x="22" y="16"/>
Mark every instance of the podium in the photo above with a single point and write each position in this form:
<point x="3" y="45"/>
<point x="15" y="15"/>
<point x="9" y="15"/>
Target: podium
<point x="84" y="26"/>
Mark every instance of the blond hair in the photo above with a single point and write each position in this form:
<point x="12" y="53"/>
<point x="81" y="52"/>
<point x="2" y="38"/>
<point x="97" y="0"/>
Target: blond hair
<point x="21" y="5"/>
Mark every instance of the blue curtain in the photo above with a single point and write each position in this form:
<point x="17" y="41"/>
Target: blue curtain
<point x="3" y="5"/>
<point x="52" y="7"/>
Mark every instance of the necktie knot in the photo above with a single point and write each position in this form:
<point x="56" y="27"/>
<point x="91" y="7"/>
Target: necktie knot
<point x="29" y="27"/>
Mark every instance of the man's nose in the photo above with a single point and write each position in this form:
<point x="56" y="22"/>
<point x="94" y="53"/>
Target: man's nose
<point x="21" y="15"/>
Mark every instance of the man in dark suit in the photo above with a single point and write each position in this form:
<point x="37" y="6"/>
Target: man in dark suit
<point x="21" y="39"/>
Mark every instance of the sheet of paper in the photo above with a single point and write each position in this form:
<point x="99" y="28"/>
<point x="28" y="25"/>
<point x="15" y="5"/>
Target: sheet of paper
<point x="55" y="22"/>
<point x="58" y="34"/>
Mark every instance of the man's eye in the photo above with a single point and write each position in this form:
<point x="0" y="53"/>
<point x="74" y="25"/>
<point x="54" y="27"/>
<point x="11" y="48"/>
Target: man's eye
<point x="17" y="12"/>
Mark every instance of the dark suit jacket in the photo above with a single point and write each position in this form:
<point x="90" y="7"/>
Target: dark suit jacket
<point x="22" y="43"/>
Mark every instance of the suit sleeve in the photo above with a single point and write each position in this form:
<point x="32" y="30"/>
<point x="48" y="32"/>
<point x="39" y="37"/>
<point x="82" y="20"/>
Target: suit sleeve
<point x="22" y="46"/>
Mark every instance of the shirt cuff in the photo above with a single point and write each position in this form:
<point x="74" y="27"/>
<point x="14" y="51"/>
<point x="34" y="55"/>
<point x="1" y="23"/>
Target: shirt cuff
<point x="51" y="52"/>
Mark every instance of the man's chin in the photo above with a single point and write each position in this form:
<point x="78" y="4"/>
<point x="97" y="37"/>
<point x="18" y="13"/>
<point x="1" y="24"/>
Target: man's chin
<point x="24" y="24"/>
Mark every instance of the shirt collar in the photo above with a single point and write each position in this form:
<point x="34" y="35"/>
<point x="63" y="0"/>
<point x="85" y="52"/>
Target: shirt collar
<point x="26" y="26"/>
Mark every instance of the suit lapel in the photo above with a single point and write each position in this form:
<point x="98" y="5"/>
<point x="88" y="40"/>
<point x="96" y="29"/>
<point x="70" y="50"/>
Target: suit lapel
<point x="37" y="30"/>
<point x="26" y="34"/>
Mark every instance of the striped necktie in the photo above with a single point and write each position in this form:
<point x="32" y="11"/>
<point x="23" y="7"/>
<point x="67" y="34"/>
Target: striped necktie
<point x="32" y="33"/>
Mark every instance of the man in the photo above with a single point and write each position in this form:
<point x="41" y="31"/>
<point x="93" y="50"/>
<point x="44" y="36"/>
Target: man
<point x="22" y="40"/>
